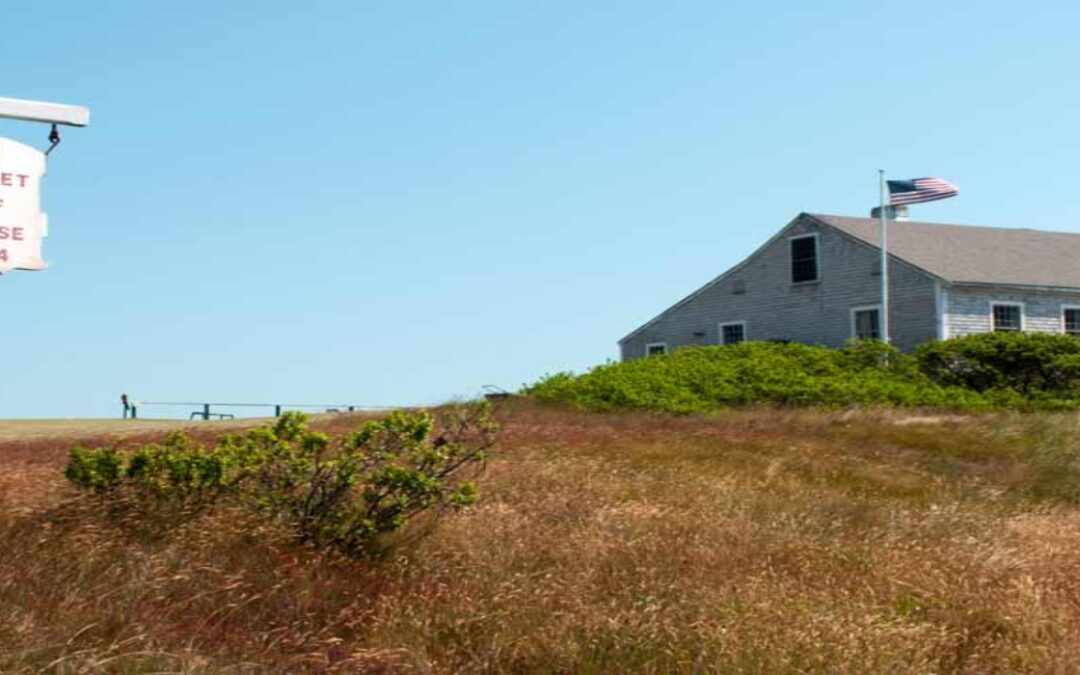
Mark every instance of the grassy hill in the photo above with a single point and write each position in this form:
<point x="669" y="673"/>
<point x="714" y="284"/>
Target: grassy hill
<point x="745" y="541"/>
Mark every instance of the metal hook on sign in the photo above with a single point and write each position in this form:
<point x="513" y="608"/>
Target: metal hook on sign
<point x="54" y="140"/>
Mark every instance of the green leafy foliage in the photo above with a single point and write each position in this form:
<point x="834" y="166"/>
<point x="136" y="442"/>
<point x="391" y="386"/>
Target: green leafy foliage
<point x="335" y="491"/>
<point x="979" y="372"/>
<point x="702" y="378"/>
<point x="1028" y="363"/>
<point x="99" y="470"/>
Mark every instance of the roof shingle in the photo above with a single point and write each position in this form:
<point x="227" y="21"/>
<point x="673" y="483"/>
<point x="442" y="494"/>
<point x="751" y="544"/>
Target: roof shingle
<point x="968" y="254"/>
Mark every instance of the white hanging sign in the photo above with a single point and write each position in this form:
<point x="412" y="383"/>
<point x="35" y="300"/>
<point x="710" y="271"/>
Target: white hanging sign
<point x="22" y="222"/>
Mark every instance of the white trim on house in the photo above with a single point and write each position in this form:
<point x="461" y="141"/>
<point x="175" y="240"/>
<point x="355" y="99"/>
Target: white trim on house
<point x="941" y="309"/>
<point x="720" y="331"/>
<point x="864" y="308"/>
<point x="1063" y="308"/>
<point x="650" y="345"/>
<point x="1024" y="288"/>
<point x="817" y="258"/>
<point x="1008" y="303"/>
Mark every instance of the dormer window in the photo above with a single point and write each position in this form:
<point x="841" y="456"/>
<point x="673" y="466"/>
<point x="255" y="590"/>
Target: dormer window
<point x="804" y="259"/>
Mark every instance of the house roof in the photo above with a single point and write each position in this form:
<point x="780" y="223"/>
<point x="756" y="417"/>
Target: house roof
<point x="977" y="255"/>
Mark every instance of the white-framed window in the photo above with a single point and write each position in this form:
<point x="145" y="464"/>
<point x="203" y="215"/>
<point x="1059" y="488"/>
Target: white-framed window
<point x="1006" y="317"/>
<point x="803" y="253"/>
<point x="1070" y="320"/>
<point x="866" y="322"/>
<point x="732" y="332"/>
<point x="656" y="349"/>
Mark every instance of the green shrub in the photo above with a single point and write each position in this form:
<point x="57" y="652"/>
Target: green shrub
<point x="337" y="491"/>
<point x="703" y="378"/>
<point x="977" y="372"/>
<point x="1033" y="364"/>
<point x="99" y="470"/>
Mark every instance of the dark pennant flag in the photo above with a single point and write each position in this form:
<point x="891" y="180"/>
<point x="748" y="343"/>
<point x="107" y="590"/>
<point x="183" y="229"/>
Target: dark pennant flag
<point x="919" y="190"/>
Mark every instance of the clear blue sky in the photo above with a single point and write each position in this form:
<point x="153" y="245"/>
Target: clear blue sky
<point x="396" y="203"/>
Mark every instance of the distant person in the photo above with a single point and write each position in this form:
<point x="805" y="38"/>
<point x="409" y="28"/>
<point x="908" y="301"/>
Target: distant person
<point x="127" y="404"/>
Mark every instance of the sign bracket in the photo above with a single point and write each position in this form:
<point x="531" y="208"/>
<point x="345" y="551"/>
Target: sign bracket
<point x="41" y="111"/>
<point x="54" y="140"/>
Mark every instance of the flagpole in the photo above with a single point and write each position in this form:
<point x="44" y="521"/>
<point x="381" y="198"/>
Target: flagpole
<point x="884" y="260"/>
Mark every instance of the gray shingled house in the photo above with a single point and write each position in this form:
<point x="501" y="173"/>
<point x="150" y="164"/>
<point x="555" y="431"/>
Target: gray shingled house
<point x="818" y="281"/>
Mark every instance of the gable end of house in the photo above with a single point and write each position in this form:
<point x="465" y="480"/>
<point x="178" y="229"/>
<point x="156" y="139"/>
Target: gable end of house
<point x="805" y="221"/>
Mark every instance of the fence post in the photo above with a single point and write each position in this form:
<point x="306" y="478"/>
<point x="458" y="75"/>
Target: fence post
<point x="277" y="411"/>
<point x="206" y="411"/>
<point x="134" y="412"/>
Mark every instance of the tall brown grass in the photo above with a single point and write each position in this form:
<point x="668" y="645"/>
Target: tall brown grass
<point x="751" y="541"/>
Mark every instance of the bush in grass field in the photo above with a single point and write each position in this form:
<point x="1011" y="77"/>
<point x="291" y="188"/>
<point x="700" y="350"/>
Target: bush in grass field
<point x="1032" y="364"/>
<point x="334" y="491"/>
<point x="978" y="372"/>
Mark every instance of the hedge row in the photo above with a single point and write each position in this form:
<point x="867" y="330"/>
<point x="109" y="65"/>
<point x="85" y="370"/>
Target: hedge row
<point x="979" y="372"/>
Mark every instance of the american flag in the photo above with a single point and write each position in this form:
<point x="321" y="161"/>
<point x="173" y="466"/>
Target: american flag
<point x="919" y="190"/>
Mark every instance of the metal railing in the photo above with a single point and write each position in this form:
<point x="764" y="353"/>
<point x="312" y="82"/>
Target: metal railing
<point x="204" y="410"/>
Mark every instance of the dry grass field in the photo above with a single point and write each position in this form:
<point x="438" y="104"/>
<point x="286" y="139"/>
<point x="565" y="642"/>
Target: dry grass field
<point x="749" y="542"/>
<point x="23" y="430"/>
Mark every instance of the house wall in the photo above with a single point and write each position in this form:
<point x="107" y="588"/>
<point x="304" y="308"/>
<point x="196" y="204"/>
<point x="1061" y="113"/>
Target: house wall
<point x="967" y="309"/>
<point x="814" y="313"/>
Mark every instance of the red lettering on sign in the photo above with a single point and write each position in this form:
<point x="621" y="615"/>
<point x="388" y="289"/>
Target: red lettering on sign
<point x="8" y="179"/>
<point x="3" y="255"/>
<point x="13" y="233"/>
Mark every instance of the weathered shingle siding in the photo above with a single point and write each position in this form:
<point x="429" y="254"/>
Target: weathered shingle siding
<point x="814" y="313"/>
<point x="968" y="309"/>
